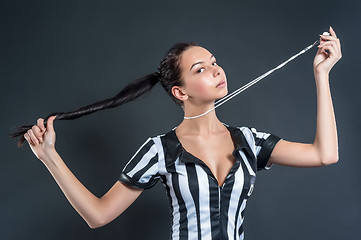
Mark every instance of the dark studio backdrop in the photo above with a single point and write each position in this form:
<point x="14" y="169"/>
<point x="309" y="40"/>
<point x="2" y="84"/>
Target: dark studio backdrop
<point x="62" y="55"/>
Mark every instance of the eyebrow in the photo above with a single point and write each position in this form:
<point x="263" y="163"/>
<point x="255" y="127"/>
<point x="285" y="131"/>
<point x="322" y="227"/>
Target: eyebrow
<point x="199" y="63"/>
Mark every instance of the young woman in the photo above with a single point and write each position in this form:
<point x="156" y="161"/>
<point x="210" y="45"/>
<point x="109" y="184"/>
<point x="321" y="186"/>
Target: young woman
<point x="208" y="168"/>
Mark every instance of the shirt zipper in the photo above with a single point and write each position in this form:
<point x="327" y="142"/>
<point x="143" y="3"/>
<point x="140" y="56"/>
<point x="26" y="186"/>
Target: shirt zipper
<point x="219" y="200"/>
<point x="219" y="205"/>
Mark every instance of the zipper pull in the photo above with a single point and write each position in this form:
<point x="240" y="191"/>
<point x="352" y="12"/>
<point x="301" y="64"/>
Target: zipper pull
<point x="252" y="181"/>
<point x="250" y="190"/>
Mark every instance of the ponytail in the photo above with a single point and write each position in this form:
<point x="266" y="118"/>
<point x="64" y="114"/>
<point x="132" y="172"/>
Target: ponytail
<point x="129" y="93"/>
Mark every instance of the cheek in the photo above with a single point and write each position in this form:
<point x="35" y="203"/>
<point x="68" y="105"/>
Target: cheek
<point x="199" y="87"/>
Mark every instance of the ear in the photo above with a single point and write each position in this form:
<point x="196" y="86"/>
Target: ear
<point x="179" y="93"/>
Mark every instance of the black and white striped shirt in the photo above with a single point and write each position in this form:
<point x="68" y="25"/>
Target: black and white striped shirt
<point x="200" y="209"/>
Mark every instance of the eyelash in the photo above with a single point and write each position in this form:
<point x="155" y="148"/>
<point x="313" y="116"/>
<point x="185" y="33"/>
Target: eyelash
<point x="198" y="71"/>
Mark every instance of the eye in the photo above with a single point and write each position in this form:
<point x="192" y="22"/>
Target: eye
<point x="200" y="70"/>
<point x="214" y="63"/>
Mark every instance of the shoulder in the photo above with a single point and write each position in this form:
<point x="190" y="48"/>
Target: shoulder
<point x="247" y="132"/>
<point x="161" y="141"/>
<point x="161" y="137"/>
<point x="150" y="144"/>
<point x="251" y="133"/>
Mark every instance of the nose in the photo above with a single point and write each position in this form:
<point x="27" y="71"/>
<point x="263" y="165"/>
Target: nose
<point x="216" y="71"/>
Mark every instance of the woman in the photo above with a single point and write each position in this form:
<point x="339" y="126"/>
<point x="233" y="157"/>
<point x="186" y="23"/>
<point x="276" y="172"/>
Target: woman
<point x="207" y="167"/>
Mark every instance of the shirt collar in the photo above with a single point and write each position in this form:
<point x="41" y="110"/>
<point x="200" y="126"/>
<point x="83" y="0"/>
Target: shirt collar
<point x="174" y="149"/>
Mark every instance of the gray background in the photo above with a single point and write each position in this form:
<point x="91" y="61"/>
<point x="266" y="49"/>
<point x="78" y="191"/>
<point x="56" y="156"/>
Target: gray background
<point x="62" y="55"/>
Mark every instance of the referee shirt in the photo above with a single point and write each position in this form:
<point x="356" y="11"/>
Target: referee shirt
<point x="200" y="208"/>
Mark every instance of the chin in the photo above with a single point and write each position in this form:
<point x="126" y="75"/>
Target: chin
<point x="225" y="91"/>
<point x="222" y="94"/>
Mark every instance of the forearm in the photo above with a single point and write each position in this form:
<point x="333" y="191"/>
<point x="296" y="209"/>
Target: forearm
<point x="83" y="201"/>
<point x="326" y="143"/>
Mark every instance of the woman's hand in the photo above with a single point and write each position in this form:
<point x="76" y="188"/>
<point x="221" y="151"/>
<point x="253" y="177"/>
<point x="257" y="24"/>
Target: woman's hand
<point x="329" y="52"/>
<point x="95" y="211"/>
<point x="41" y="139"/>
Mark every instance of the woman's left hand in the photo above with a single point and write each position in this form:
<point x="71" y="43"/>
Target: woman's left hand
<point x="329" y="52"/>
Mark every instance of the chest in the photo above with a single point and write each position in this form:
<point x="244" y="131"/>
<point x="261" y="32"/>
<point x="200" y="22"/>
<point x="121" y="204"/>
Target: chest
<point x="189" y="181"/>
<point x="214" y="152"/>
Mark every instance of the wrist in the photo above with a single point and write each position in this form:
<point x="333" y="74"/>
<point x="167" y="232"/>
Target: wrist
<point x="51" y="156"/>
<point x="321" y="75"/>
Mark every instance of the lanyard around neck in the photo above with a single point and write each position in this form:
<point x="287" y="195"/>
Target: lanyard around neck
<point x="241" y="89"/>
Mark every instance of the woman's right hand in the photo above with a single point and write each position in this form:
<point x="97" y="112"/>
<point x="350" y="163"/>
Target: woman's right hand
<point x="41" y="140"/>
<point x="95" y="211"/>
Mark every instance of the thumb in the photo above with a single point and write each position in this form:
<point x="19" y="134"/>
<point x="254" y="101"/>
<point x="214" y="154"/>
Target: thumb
<point x="50" y="124"/>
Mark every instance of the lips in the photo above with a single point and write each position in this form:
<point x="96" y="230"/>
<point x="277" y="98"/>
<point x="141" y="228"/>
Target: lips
<point x="221" y="83"/>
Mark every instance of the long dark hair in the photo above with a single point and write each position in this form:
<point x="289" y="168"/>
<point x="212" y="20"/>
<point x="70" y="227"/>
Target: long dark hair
<point x="168" y="74"/>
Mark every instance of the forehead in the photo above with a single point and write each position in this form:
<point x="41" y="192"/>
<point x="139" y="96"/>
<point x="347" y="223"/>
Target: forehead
<point x="194" y="54"/>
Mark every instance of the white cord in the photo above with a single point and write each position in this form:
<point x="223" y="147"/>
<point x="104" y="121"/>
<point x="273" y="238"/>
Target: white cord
<point x="241" y="89"/>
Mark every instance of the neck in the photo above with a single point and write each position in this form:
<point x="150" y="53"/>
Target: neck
<point x="203" y="125"/>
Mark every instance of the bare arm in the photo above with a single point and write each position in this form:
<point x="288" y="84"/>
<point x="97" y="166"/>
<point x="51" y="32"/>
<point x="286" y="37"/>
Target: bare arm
<point x="95" y="211"/>
<point x="324" y="149"/>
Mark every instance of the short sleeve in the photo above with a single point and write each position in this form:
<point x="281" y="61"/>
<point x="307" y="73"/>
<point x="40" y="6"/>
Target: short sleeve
<point x="264" y="144"/>
<point x="142" y="169"/>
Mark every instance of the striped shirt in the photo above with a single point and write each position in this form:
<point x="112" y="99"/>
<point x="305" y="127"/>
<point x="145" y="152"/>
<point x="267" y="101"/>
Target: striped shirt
<point x="200" y="208"/>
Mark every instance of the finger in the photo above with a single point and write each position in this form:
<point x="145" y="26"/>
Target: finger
<point x="32" y="136"/>
<point x="333" y="33"/>
<point x="334" y="52"/>
<point x="38" y="133"/>
<point x="40" y="124"/>
<point x="330" y="50"/>
<point x="28" y="139"/>
<point x="50" y="123"/>
<point x="328" y="38"/>
<point x="325" y="44"/>
<point x="333" y="42"/>
<point x="328" y="43"/>
<point x="322" y="40"/>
